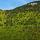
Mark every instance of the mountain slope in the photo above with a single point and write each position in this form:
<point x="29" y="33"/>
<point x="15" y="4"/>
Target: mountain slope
<point x="21" y="23"/>
<point x="29" y="7"/>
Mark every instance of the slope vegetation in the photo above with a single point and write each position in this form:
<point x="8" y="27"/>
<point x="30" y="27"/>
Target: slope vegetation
<point x="21" y="23"/>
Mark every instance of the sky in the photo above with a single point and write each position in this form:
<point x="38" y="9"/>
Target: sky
<point x="11" y="4"/>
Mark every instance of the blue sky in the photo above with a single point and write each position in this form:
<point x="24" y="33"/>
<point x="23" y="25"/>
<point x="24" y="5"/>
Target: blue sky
<point x="11" y="4"/>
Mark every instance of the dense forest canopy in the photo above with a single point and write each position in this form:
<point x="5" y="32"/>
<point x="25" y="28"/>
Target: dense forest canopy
<point x="7" y="17"/>
<point x="21" y="23"/>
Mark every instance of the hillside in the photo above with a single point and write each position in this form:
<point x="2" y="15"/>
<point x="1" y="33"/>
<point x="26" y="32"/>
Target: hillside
<point x="28" y="7"/>
<point x="21" y="23"/>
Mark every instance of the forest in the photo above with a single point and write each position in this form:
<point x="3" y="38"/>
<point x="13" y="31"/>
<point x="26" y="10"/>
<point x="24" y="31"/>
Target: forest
<point x="21" y="23"/>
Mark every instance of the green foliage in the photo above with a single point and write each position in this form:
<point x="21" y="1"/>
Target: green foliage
<point x="20" y="25"/>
